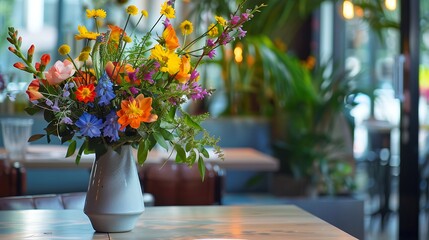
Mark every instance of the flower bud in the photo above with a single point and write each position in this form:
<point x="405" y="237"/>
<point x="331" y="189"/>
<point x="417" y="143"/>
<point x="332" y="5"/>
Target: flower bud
<point x="20" y="66"/>
<point x="19" y="41"/>
<point x="45" y="59"/>
<point x="30" y="51"/>
<point x="13" y="50"/>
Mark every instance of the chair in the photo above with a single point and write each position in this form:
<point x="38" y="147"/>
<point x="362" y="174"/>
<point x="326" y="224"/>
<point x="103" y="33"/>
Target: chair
<point x="12" y="178"/>
<point x="178" y="184"/>
<point x="45" y="201"/>
<point x="53" y="201"/>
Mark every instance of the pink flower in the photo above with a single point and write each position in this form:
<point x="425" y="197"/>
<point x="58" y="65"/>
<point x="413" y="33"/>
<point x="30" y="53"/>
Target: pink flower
<point x="59" y="72"/>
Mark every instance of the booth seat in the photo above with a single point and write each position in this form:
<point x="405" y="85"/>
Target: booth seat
<point x="53" y="201"/>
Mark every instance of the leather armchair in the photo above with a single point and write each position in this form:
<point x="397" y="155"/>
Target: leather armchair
<point x="177" y="184"/>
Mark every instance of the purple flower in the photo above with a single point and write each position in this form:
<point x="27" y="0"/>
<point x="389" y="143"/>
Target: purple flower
<point x="89" y="125"/>
<point x="197" y="92"/>
<point x="66" y="93"/>
<point x="49" y="102"/>
<point x="134" y="90"/>
<point x="211" y="53"/>
<point x="245" y="16"/>
<point x="111" y="126"/>
<point x="55" y="107"/>
<point x="104" y="90"/>
<point x="166" y="22"/>
<point x="67" y="120"/>
<point x="241" y="32"/>
<point x="149" y="71"/>
<point x="194" y="75"/>
<point x="225" y="38"/>
<point x="234" y="20"/>
<point x="133" y="75"/>
<point x="210" y="43"/>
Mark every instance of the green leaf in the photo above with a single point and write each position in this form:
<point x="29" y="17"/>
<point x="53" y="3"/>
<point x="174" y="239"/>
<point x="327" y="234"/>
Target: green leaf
<point x="190" y="122"/>
<point x="201" y="168"/>
<point x="192" y="157"/>
<point x="166" y="134"/>
<point x="180" y="154"/>
<point x="71" y="149"/>
<point x="172" y="113"/>
<point x="189" y="146"/>
<point x="79" y="154"/>
<point x="205" y="153"/>
<point x="160" y="140"/>
<point x="142" y="151"/>
<point x="32" y="110"/>
<point x="36" y="137"/>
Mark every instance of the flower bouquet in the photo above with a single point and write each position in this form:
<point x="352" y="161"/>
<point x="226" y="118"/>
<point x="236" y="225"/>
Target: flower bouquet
<point x="121" y="89"/>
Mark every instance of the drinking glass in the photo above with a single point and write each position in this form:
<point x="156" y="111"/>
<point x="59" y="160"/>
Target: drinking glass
<point x="16" y="132"/>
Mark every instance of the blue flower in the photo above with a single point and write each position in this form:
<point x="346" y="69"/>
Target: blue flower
<point x="104" y="89"/>
<point x="89" y="125"/>
<point x="111" y="127"/>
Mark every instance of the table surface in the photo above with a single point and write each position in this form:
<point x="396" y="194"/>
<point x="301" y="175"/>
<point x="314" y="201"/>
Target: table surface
<point x="53" y="156"/>
<point x="196" y="222"/>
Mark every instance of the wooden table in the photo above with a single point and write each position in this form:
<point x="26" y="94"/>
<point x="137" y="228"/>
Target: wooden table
<point x="53" y="156"/>
<point x="208" y="222"/>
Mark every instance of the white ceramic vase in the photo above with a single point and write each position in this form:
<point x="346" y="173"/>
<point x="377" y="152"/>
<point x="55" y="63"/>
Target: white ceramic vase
<point x="114" y="200"/>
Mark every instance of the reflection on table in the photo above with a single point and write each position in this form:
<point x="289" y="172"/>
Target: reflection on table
<point x="212" y="222"/>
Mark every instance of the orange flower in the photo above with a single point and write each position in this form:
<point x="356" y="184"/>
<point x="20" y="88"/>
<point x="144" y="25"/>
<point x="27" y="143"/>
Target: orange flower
<point x="115" y="72"/>
<point x="33" y="90"/>
<point x="115" y="33"/>
<point x="170" y="38"/>
<point x="86" y="93"/>
<point x="135" y="111"/>
<point x="183" y="75"/>
<point x="84" y="78"/>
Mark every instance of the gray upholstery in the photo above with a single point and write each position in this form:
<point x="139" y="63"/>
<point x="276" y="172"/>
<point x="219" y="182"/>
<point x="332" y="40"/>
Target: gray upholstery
<point x="45" y="201"/>
<point x="53" y="201"/>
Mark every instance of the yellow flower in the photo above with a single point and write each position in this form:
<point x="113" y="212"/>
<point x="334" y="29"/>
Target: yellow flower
<point x="221" y="21"/>
<point x="132" y="10"/>
<point x="64" y="49"/>
<point x="167" y="10"/>
<point x="186" y="27"/>
<point x="127" y="39"/>
<point x="100" y="13"/>
<point x="85" y="34"/>
<point x="95" y="13"/>
<point x="144" y="13"/>
<point x="90" y="13"/>
<point x="169" y="61"/>
<point x="213" y="31"/>
<point x="86" y="49"/>
<point x="83" y="56"/>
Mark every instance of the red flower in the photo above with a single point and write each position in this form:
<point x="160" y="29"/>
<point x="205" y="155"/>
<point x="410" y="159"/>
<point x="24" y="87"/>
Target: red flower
<point x="86" y="93"/>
